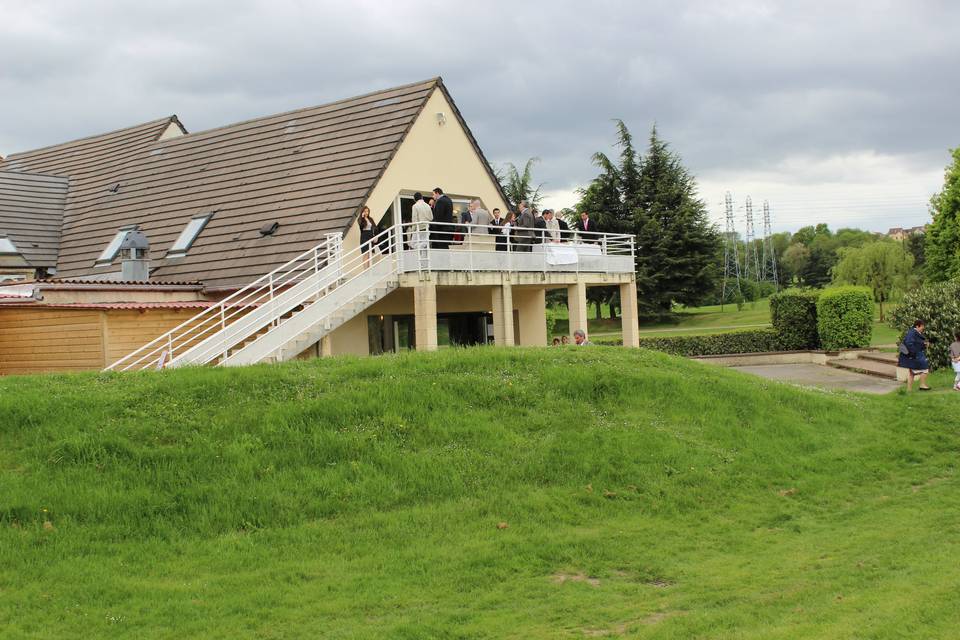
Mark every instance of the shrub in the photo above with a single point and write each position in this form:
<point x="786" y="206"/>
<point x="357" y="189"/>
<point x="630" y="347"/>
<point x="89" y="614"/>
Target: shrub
<point x="793" y="314"/>
<point x="711" y="345"/>
<point x="937" y="304"/>
<point x="845" y="318"/>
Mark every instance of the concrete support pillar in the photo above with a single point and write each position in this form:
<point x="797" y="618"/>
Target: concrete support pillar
<point x="502" y="306"/>
<point x="325" y="348"/>
<point x="532" y="307"/>
<point x="577" y="306"/>
<point x="425" y="315"/>
<point x="628" y="314"/>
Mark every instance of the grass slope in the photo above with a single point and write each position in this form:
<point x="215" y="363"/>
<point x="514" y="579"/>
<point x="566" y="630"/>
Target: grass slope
<point x="644" y="496"/>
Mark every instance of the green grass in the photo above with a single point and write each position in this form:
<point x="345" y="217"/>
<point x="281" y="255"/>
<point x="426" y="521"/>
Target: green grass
<point x="644" y="496"/>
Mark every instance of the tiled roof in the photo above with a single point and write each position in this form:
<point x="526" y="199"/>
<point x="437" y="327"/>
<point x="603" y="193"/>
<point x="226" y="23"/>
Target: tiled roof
<point x="31" y="214"/>
<point x="309" y="170"/>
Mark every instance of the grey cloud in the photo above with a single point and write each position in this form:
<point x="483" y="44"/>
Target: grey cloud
<point x="736" y="87"/>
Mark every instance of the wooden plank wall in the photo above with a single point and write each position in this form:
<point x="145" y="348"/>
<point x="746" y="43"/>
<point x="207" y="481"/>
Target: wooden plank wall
<point x="35" y="340"/>
<point x="128" y="330"/>
<point x="38" y="340"/>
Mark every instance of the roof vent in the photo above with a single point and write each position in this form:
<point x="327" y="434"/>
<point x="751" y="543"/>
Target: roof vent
<point x="270" y="228"/>
<point x="135" y="256"/>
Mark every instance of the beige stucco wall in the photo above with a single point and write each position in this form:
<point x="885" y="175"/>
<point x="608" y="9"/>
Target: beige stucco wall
<point x="531" y="305"/>
<point x="351" y="337"/>
<point x="431" y="156"/>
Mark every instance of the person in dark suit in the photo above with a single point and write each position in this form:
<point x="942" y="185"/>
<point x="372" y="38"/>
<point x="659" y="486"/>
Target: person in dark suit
<point x="496" y="228"/>
<point x="564" y="229"/>
<point x="539" y="237"/>
<point x="442" y="214"/>
<point x="584" y="226"/>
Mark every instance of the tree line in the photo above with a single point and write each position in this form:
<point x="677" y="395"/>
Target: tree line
<point x="680" y="253"/>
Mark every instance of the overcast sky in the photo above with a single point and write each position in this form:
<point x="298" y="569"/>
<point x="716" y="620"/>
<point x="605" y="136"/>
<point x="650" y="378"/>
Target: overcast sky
<point x="838" y="112"/>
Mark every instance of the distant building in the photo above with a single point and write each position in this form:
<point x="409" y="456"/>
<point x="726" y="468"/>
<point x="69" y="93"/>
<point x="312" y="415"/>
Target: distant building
<point x="900" y="233"/>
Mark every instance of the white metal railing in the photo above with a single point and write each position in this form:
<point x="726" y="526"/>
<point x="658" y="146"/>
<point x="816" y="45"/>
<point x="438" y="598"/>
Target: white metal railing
<point x="308" y="278"/>
<point x="470" y="247"/>
<point x="219" y="328"/>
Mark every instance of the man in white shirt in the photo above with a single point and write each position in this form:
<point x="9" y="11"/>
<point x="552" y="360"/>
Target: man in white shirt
<point x="422" y="216"/>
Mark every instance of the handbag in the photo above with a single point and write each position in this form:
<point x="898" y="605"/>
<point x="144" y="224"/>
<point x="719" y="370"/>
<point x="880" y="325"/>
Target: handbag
<point x="903" y="349"/>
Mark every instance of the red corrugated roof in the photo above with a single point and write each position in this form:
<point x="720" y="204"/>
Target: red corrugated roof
<point x="150" y="283"/>
<point x="188" y="304"/>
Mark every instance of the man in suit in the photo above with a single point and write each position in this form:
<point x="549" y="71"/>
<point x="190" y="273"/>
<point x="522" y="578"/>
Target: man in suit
<point x="586" y="225"/>
<point x="524" y="231"/>
<point x="564" y="229"/>
<point x="540" y="224"/>
<point x="481" y="217"/>
<point x="442" y="214"/>
<point x="496" y="228"/>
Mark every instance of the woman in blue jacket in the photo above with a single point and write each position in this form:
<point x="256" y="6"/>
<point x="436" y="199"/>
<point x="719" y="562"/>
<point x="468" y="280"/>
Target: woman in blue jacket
<point x="913" y="356"/>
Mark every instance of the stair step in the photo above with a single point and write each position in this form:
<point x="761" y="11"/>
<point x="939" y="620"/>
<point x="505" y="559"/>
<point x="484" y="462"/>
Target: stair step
<point x="880" y="356"/>
<point x="870" y="367"/>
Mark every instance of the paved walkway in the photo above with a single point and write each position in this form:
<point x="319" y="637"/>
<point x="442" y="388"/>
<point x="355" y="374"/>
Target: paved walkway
<point x="815" y="375"/>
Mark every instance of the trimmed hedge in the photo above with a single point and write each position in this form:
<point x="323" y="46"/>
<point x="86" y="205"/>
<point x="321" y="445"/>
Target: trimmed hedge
<point x="793" y="314"/>
<point x="937" y="304"/>
<point x="711" y="345"/>
<point x="845" y="318"/>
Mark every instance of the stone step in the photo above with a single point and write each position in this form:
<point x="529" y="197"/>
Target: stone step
<point x="880" y="356"/>
<point x="871" y="367"/>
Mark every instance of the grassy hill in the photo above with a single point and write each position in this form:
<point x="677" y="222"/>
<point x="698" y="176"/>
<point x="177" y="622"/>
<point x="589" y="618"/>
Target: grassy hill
<point x="474" y="493"/>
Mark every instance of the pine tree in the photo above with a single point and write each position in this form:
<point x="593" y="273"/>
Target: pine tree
<point x="942" y="247"/>
<point x="676" y="244"/>
<point x="654" y="198"/>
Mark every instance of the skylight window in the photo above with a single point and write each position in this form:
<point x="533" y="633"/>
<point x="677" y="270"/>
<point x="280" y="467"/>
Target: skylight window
<point x="106" y="258"/>
<point x="7" y="248"/>
<point x="189" y="235"/>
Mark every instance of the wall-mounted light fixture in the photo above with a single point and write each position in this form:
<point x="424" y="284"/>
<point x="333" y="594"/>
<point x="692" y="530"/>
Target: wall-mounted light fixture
<point x="441" y="118"/>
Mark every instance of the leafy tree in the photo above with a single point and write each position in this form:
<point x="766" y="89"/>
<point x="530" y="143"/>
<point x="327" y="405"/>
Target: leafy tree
<point x="914" y="245"/>
<point x="518" y="185"/>
<point x="942" y="247"/>
<point x="853" y="237"/>
<point x="883" y="266"/>
<point x="795" y="260"/>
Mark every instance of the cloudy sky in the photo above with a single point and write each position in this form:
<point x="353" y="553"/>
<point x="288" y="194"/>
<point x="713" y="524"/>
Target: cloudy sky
<point x="838" y="112"/>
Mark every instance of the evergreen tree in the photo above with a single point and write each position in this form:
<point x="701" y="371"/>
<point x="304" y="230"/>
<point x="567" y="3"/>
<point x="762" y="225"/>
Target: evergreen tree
<point x="942" y="247"/>
<point x="676" y="244"/>
<point x="654" y="198"/>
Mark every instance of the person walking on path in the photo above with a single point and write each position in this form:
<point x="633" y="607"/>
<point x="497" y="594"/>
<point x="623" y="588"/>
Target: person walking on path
<point x="913" y="356"/>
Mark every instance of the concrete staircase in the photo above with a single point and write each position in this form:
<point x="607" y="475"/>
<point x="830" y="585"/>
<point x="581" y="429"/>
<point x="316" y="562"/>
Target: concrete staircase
<point x="312" y="320"/>
<point x="874" y="363"/>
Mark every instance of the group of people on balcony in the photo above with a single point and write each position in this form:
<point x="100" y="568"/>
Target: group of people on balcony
<point x="436" y="223"/>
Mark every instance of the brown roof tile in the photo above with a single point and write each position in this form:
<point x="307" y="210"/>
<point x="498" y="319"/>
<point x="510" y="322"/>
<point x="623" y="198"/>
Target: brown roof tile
<point x="31" y="214"/>
<point x="310" y="170"/>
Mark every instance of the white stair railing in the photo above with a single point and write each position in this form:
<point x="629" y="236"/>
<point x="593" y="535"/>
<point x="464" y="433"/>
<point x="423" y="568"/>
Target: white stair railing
<point x="218" y="329"/>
